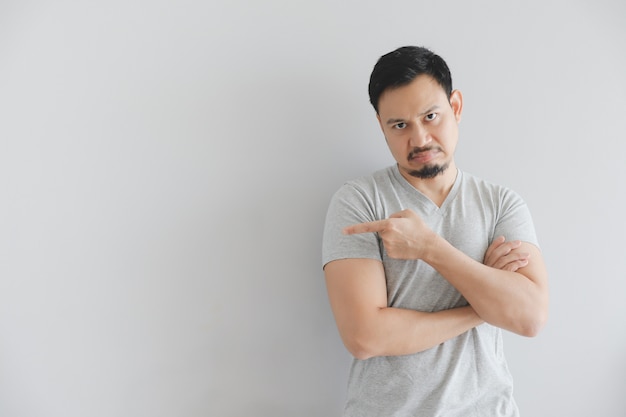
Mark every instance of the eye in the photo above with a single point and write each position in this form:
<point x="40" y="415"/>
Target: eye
<point x="431" y="116"/>
<point x="400" y="125"/>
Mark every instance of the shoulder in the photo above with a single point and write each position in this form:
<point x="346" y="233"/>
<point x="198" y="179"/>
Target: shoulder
<point x="488" y="189"/>
<point x="376" y="179"/>
<point x="368" y="186"/>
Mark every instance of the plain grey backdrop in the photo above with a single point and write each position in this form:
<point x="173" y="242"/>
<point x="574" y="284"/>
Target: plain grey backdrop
<point x="165" y="168"/>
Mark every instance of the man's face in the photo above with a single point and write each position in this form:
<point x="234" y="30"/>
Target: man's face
<point x="421" y="126"/>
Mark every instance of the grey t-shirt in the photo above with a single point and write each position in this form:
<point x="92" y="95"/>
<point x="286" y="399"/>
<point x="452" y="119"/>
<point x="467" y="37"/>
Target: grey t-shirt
<point x="466" y="376"/>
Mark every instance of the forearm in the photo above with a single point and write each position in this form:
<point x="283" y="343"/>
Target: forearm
<point x="509" y="300"/>
<point x="393" y="331"/>
<point x="357" y="293"/>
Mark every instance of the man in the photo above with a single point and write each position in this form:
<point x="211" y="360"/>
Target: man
<point x="425" y="264"/>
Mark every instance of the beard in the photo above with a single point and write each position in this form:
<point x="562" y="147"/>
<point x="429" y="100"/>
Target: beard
<point x="429" y="171"/>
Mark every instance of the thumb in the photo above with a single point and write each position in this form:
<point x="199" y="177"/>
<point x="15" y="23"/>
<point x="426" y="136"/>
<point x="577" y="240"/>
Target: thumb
<point x="402" y="214"/>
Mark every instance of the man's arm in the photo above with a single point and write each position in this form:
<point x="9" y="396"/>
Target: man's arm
<point x="358" y="297"/>
<point x="516" y="301"/>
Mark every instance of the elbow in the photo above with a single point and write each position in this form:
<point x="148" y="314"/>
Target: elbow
<point x="530" y="329"/>
<point x="527" y="319"/>
<point x="360" y="346"/>
<point x="360" y="354"/>
<point x="532" y="326"/>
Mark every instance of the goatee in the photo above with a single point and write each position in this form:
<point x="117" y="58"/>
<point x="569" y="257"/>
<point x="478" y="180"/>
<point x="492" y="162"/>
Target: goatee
<point x="429" y="171"/>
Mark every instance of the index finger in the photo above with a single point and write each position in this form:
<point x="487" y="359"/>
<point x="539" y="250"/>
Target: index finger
<point x="368" y="227"/>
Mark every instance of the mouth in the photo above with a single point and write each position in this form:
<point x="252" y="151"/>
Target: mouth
<point x="423" y="156"/>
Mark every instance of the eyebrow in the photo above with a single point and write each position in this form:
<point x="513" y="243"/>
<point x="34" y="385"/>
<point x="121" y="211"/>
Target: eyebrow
<point x="424" y="113"/>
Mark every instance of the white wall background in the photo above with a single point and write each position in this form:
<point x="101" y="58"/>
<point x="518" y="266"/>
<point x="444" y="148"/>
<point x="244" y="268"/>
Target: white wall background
<point x="165" y="168"/>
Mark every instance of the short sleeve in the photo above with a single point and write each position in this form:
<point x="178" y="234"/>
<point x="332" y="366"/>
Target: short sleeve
<point x="349" y="205"/>
<point x="514" y="219"/>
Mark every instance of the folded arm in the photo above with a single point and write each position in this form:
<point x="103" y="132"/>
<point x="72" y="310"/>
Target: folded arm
<point x="516" y="301"/>
<point x="513" y="300"/>
<point x="358" y="297"/>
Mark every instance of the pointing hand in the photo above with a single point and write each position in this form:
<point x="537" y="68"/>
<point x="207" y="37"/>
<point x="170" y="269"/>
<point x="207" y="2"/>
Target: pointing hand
<point x="404" y="234"/>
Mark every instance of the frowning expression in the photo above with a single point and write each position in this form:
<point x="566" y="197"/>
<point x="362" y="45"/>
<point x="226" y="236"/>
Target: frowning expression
<point x="420" y="125"/>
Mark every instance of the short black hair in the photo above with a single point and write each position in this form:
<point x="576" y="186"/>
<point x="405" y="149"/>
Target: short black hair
<point x="400" y="67"/>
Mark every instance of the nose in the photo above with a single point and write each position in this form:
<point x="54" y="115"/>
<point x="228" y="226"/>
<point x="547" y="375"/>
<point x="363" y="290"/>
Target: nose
<point x="420" y="137"/>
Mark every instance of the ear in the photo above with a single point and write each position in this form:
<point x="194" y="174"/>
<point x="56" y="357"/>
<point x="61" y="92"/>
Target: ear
<point x="456" y="102"/>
